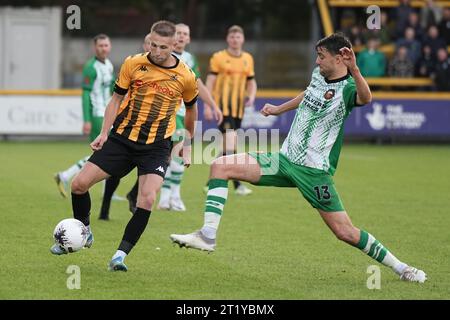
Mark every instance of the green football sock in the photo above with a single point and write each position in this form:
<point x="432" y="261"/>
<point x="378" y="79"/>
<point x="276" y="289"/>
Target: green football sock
<point x="215" y="201"/>
<point x="373" y="248"/>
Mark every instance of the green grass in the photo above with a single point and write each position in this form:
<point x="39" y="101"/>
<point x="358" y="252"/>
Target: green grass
<point x="271" y="245"/>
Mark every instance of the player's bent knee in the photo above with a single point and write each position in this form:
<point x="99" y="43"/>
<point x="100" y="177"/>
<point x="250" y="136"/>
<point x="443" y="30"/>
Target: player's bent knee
<point x="145" y="201"/>
<point x="78" y="186"/>
<point x="219" y="169"/>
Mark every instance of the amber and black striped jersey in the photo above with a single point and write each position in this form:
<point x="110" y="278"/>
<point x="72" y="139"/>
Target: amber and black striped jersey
<point x="148" y="112"/>
<point x="232" y="74"/>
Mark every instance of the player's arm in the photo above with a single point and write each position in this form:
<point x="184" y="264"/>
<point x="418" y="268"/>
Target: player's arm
<point x="211" y="82"/>
<point x="251" y="85"/>
<point x="211" y="108"/>
<point x="270" y="109"/>
<point x="363" y="94"/>
<point x="190" y="94"/>
<point x="251" y="92"/>
<point x="189" y="123"/>
<point x="108" y="120"/>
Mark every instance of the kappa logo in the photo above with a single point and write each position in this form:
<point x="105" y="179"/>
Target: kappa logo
<point x="160" y="169"/>
<point x="143" y="68"/>
<point x="173" y="77"/>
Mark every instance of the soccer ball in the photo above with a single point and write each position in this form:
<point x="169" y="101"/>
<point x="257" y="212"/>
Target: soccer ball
<point x="71" y="234"/>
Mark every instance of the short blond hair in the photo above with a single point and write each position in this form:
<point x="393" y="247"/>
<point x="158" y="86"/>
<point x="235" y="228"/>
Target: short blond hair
<point x="164" y="28"/>
<point x="235" y="29"/>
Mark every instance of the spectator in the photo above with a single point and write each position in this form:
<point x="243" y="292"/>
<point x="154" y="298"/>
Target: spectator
<point x="400" y="16"/>
<point x="430" y="14"/>
<point x="444" y="26"/>
<point x="355" y="36"/>
<point x="426" y="64"/>
<point x="371" y="61"/>
<point x="401" y="66"/>
<point x="409" y="41"/>
<point x="384" y="34"/>
<point x="434" y="41"/>
<point x="442" y="74"/>
<point x="413" y="22"/>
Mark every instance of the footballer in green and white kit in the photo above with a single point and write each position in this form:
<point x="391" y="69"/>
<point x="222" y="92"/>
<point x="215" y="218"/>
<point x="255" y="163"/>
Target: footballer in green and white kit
<point x="191" y="61"/>
<point x="310" y="153"/>
<point x="308" y="157"/>
<point x="98" y="83"/>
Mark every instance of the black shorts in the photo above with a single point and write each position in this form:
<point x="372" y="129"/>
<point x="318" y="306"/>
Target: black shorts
<point x="230" y="122"/>
<point x="119" y="156"/>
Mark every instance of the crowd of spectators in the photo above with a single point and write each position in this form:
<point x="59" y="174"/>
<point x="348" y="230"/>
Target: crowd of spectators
<point x="421" y="37"/>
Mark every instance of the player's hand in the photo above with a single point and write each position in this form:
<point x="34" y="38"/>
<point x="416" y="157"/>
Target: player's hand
<point x="349" y="58"/>
<point x="270" y="110"/>
<point x="218" y="115"/>
<point x="185" y="154"/>
<point x="87" y="127"/>
<point x="97" y="144"/>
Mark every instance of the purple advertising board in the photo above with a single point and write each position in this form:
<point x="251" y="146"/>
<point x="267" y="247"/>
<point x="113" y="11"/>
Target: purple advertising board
<point x="382" y="117"/>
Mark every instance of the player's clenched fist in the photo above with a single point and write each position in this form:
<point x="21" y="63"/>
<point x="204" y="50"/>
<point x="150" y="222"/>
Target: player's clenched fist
<point x="269" y="109"/>
<point x="97" y="144"/>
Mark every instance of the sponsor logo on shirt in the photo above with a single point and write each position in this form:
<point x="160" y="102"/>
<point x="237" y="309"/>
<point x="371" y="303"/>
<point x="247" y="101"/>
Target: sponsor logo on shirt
<point x="161" y="89"/>
<point x="329" y="94"/>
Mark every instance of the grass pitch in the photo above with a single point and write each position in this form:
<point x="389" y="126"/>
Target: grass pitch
<point x="271" y="245"/>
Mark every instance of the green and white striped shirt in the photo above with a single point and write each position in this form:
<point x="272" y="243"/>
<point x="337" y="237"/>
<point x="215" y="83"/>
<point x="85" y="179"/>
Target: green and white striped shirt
<point x="98" y="81"/>
<point x="316" y="134"/>
<point x="191" y="61"/>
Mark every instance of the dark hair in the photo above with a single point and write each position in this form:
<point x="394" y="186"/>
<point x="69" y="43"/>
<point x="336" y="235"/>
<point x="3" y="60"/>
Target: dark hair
<point x="164" y="28"/>
<point x="100" y="36"/>
<point x="333" y="43"/>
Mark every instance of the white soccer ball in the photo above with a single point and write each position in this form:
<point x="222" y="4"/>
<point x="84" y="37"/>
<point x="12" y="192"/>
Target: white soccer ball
<point x="71" y="234"/>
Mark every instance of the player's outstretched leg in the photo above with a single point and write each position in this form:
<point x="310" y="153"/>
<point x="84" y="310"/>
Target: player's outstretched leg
<point x="81" y="200"/>
<point x="342" y="227"/>
<point x="240" y="166"/>
<point x="149" y="185"/>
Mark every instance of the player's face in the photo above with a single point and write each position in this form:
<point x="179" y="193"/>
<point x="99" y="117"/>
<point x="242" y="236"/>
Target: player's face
<point x="160" y="47"/>
<point x="235" y="40"/>
<point x="183" y="38"/>
<point x="326" y="62"/>
<point x="102" y="48"/>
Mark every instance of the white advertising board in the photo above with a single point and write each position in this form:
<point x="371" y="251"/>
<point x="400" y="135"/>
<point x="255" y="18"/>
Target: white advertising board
<point x="46" y="115"/>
